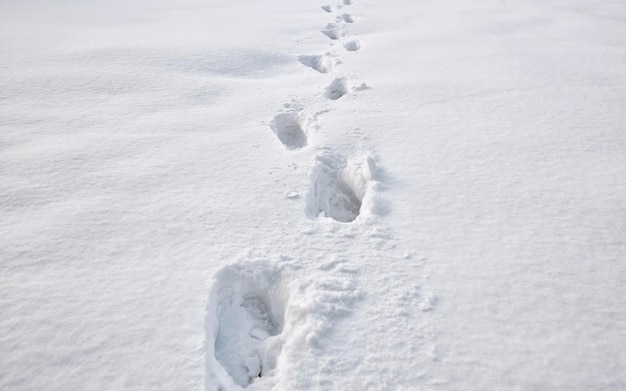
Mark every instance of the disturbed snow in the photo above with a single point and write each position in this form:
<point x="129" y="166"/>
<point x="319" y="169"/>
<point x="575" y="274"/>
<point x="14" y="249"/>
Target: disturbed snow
<point x="308" y="195"/>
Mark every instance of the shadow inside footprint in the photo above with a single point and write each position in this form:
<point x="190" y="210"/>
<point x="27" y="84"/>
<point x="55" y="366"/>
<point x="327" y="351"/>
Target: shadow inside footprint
<point x="245" y="313"/>
<point x="337" y="89"/>
<point x="291" y="129"/>
<point x="321" y="63"/>
<point x="244" y="325"/>
<point x="337" y="191"/>
<point x="334" y="33"/>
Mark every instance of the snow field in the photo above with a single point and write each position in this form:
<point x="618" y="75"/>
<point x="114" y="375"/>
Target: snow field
<point x="207" y="196"/>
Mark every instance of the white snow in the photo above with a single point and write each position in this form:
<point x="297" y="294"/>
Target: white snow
<point x="291" y="128"/>
<point x="322" y="63"/>
<point x="297" y="195"/>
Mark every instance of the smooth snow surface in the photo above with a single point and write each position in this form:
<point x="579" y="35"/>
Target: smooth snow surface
<point x="302" y="195"/>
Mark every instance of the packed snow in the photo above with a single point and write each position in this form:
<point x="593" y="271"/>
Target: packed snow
<point x="309" y="195"/>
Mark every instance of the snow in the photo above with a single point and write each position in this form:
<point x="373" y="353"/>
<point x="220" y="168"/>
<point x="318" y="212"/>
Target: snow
<point x="216" y="195"/>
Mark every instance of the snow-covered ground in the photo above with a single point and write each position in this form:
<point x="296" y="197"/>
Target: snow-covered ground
<point x="298" y="195"/>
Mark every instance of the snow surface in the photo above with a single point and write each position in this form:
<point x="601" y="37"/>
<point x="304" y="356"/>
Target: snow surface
<point x="295" y="195"/>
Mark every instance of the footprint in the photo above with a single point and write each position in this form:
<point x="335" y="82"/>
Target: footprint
<point x="327" y="8"/>
<point x="337" y="88"/>
<point x="321" y="63"/>
<point x="244" y="317"/>
<point x="352" y="46"/>
<point x="348" y="18"/>
<point x="348" y="2"/>
<point x="291" y="128"/>
<point x="339" y="187"/>
<point x="334" y="33"/>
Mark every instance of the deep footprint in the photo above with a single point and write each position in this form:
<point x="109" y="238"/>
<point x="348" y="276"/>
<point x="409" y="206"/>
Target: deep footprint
<point x="338" y="88"/>
<point x="291" y="128"/>
<point x="334" y="33"/>
<point x="244" y="325"/>
<point x="337" y="190"/>
<point x="321" y="63"/>
<point x="248" y="305"/>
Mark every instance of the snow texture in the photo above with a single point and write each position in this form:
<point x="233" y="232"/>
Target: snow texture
<point x="298" y="195"/>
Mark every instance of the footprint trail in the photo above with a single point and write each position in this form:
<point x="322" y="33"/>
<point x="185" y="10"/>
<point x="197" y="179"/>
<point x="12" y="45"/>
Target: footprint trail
<point x="259" y="315"/>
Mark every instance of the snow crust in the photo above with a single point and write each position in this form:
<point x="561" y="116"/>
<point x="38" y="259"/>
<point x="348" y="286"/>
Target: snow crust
<point x="302" y="195"/>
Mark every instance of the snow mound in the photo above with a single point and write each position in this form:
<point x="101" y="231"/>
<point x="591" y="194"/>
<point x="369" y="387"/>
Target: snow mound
<point x="323" y="303"/>
<point x="352" y="46"/>
<point x="317" y="304"/>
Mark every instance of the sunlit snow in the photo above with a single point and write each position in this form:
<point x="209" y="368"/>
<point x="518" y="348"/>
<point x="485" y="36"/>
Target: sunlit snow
<point x="307" y="195"/>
